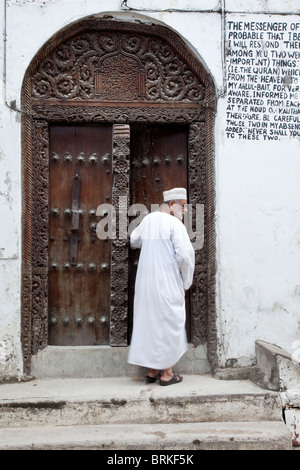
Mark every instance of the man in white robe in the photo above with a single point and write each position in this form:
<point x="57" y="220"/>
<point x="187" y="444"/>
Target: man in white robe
<point x="165" y="272"/>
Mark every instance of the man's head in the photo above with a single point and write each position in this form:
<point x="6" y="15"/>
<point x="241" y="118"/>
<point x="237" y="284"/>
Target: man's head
<point x="176" y="199"/>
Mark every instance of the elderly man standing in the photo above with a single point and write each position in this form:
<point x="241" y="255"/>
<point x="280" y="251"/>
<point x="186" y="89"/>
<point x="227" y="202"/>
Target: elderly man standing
<point x="165" y="272"/>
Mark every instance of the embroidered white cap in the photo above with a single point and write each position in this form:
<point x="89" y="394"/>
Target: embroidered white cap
<point x="174" y="194"/>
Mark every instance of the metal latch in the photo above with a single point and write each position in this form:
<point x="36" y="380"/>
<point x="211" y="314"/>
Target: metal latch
<point x="75" y="220"/>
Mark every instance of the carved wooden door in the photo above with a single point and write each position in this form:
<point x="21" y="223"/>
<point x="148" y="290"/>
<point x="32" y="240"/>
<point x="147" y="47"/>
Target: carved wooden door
<point x="99" y="71"/>
<point x="159" y="161"/>
<point x="87" y="274"/>
<point x="80" y="180"/>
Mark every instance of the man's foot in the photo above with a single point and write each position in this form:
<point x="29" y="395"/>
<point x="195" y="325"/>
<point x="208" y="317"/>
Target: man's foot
<point x="152" y="376"/>
<point x="176" y="379"/>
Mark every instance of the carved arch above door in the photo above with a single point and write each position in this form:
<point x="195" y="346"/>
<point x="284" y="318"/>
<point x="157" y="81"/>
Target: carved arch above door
<point x="100" y="71"/>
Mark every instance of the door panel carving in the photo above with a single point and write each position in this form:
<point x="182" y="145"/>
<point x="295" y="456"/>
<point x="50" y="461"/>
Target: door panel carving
<point x="79" y="262"/>
<point x="159" y="161"/>
<point x="116" y="67"/>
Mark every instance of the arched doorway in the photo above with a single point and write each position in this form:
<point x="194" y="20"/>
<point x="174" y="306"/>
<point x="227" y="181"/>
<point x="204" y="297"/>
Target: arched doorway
<point x="114" y="111"/>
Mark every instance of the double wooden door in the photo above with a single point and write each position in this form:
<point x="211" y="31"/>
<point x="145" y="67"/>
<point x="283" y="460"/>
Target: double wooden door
<point x="81" y="178"/>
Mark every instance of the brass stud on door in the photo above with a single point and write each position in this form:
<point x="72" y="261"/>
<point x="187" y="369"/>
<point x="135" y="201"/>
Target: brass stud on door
<point x="93" y="227"/>
<point x="78" y="321"/>
<point x="92" y="267"/>
<point x="146" y="162"/>
<point x="103" y="213"/>
<point x="105" y="159"/>
<point x="66" y="321"/>
<point x="121" y="156"/>
<point x="55" y="157"/>
<point x="135" y="163"/>
<point x="93" y="159"/>
<point x="80" y="158"/>
<point x="180" y="159"/>
<point x="55" y="212"/>
<point x="68" y="212"/>
<point x="68" y="157"/>
<point x="92" y="212"/>
<point x="156" y="161"/>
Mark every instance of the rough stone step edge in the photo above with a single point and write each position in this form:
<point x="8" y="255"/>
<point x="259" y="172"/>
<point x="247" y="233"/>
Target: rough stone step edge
<point x="265" y="406"/>
<point x="178" y="436"/>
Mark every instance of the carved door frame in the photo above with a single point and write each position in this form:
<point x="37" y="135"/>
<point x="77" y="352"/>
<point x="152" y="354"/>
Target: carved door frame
<point x="82" y="102"/>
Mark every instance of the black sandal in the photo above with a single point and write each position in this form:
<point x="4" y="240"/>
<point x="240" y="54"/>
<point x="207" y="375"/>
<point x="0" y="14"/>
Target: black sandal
<point x="176" y="379"/>
<point x="151" y="380"/>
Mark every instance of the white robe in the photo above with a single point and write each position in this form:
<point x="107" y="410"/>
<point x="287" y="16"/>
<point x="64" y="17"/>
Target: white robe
<point x="165" y="271"/>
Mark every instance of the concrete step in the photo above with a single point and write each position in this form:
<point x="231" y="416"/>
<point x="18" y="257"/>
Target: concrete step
<point x="198" y="399"/>
<point x="257" y="435"/>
